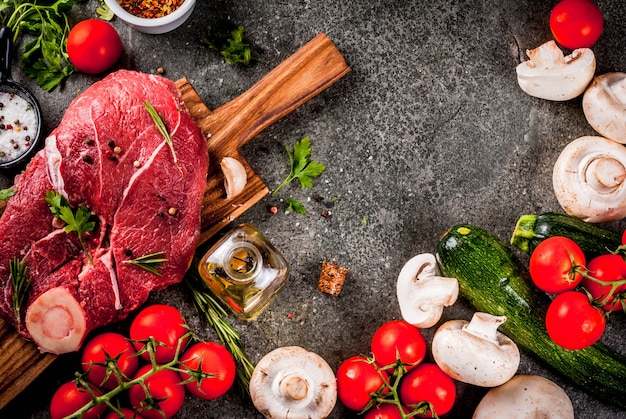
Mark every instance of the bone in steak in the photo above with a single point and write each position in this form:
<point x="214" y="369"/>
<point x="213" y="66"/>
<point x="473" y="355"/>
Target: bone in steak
<point x="108" y="155"/>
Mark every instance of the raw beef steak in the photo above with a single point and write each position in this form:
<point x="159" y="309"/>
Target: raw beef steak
<point x="145" y="196"/>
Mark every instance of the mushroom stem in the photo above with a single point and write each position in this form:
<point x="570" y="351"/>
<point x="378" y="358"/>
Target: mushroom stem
<point x="485" y="326"/>
<point x="294" y="387"/>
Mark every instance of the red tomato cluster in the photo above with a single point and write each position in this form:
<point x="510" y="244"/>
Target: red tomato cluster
<point x="395" y="377"/>
<point x="585" y="291"/>
<point x="111" y="361"/>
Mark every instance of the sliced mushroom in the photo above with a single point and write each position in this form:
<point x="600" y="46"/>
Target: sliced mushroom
<point x="525" y="397"/>
<point x="476" y="352"/>
<point x="551" y="75"/>
<point x="604" y="104"/>
<point x="423" y="292"/>
<point x="588" y="179"/>
<point x="235" y="177"/>
<point x="291" y="382"/>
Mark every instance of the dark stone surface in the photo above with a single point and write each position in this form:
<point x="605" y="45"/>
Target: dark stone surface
<point x="429" y="129"/>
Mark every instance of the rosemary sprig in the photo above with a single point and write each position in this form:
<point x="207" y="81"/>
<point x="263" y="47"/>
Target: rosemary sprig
<point x="160" y="124"/>
<point x="77" y="221"/>
<point x="215" y="315"/>
<point x="150" y="262"/>
<point x="20" y="281"/>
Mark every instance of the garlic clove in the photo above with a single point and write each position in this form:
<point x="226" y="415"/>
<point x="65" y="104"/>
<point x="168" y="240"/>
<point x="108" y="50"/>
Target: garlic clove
<point x="551" y="75"/>
<point x="235" y="177"/>
<point x="604" y="105"/>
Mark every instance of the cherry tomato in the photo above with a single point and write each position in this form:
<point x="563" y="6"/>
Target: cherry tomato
<point x="165" y="389"/>
<point x="94" y="359"/>
<point x="384" y="411"/>
<point x="398" y="340"/>
<point x="552" y="264"/>
<point x="608" y="268"/>
<point x="428" y="383"/>
<point x="572" y="322"/>
<point x="166" y="324"/>
<point x="212" y="367"/>
<point x="576" y="23"/>
<point x="128" y="414"/>
<point x="93" y="46"/>
<point x="357" y="380"/>
<point x="68" y="399"/>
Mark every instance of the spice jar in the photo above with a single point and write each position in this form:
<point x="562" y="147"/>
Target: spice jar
<point x="245" y="271"/>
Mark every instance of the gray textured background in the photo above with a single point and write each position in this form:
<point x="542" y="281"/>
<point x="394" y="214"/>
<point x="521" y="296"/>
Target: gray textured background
<point x="429" y="129"/>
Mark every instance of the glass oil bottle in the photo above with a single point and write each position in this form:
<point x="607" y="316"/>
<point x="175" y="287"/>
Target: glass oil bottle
<point x="245" y="271"/>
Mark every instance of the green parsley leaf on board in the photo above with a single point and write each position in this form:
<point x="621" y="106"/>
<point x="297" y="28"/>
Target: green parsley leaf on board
<point x="296" y="206"/>
<point x="104" y="12"/>
<point x="231" y="46"/>
<point x="45" y="56"/>
<point x="78" y="221"/>
<point x="7" y="193"/>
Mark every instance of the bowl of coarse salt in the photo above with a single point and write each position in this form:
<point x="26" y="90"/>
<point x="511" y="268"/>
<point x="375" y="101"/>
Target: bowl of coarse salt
<point x="152" y="16"/>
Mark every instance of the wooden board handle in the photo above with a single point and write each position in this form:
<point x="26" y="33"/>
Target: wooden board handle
<point x="307" y="72"/>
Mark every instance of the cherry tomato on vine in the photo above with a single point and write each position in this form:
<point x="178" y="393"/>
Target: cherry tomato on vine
<point x="357" y="380"/>
<point x="115" y="346"/>
<point x="384" y="411"/>
<point x="216" y="362"/>
<point x="572" y="322"/>
<point x="164" y="389"/>
<point x="609" y="268"/>
<point x="69" y="398"/>
<point x="93" y="46"/>
<point x="428" y="383"/>
<point x="398" y="340"/>
<point x="576" y="23"/>
<point x="166" y="324"/>
<point x="552" y="264"/>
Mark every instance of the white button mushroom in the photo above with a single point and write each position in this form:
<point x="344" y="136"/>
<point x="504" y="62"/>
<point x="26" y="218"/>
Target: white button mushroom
<point x="291" y="382"/>
<point x="604" y="104"/>
<point x="422" y="291"/>
<point x="476" y="352"/>
<point x="525" y="397"/>
<point x="588" y="179"/>
<point x="551" y="75"/>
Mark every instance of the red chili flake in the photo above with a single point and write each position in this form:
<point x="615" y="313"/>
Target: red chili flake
<point x="150" y="9"/>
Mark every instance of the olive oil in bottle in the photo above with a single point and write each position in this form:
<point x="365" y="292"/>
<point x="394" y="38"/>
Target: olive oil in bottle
<point x="245" y="271"/>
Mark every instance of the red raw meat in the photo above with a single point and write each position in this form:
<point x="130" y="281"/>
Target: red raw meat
<point x="108" y="155"/>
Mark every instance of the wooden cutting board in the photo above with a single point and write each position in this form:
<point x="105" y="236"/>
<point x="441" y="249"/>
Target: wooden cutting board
<point x="310" y="70"/>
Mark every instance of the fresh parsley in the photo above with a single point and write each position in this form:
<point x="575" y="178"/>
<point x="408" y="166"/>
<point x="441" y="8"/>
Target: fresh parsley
<point x="78" y="221"/>
<point x="104" y="12"/>
<point x="7" y="193"/>
<point x="303" y="169"/>
<point x="45" y="56"/>
<point x="231" y="46"/>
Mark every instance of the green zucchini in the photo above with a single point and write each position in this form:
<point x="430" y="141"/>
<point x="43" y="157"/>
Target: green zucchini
<point x="531" y="230"/>
<point x="492" y="280"/>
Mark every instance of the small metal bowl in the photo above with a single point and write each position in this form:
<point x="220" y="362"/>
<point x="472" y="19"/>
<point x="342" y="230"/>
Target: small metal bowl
<point x="12" y="91"/>
<point x="157" y="25"/>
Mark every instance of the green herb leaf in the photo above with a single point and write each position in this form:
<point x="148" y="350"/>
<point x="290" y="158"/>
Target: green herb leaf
<point x="160" y="124"/>
<point x="302" y="169"/>
<point x="233" y="48"/>
<point x="104" y="12"/>
<point x="20" y="281"/>
<point x="78" y="221"/>
<point x="150" y="262"/>
<point x="7" y="193"/>
<point x="294" y="205"/>
<point x="45" y="57"/>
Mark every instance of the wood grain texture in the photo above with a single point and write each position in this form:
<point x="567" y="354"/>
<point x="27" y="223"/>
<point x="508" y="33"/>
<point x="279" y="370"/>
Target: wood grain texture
<point x="303" y="75"/>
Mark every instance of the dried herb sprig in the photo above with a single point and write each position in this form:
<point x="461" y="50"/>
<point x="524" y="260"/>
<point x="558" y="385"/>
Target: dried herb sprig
<point x="78" y="221"/>
<point x="215" y="315"/>
<point x="160" y="124"/>
<point x="20" y="282"/>
<point x="150" y="262"/>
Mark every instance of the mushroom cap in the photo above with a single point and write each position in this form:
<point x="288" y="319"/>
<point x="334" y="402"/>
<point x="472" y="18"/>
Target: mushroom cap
<point x="551" y="75"/>
<point x="588" y="179"/>
<point x="291" y="382"/>
<point x="525" y="397"/>
<point x="604" y="105"/>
